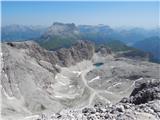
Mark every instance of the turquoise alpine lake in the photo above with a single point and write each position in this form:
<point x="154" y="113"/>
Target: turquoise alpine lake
<point x="98" y="64"/>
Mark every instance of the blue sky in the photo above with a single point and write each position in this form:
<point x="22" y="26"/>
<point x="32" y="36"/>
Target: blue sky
<point x="115" y="14"/>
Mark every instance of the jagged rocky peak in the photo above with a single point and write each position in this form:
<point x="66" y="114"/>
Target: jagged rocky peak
<point x="29" y="48"/>
<point x="144" y="92"/>
<point x="29" y="73"/>
<point x="82" y="50"/>
<point x="22" y="45"/>
<point x="57" y="29"/>
<point x="103" y="50"/>
<point x="71" y="25"/>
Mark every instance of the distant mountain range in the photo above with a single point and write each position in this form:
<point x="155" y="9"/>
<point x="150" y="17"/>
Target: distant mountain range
<point x="102" y="33"/>
<point x="21" y="32"/>
<point x="97" y="33"/>
<point x="151" y="45"/>
<point x="60" y="35"/>
<point x="131" y="36"/>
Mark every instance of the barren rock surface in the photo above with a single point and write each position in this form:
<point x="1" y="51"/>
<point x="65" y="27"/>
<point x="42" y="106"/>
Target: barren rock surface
<point x="148" y="110"/>
<point x="67" y="83"/>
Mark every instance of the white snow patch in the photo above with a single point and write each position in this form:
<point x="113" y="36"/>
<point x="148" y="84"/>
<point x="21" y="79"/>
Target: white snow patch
<point x="108" y="92"/>
<point x="96" y="78"/>
<point x="136" y="81"/>
<point x="139" y="79"/>
<point x="70" y="86"/>
<point x="30" y="117"/>
<point x="56" y="77"/>
<point x="111" y="66"/>
<point x="61" y="83"/>
<point x="58" y="96"/>
<point x="5" y="75"/>
<point x="77" y="72"/>
<point x="117" y="84"/>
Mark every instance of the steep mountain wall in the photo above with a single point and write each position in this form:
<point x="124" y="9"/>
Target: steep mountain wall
<point x="28" y="73"/>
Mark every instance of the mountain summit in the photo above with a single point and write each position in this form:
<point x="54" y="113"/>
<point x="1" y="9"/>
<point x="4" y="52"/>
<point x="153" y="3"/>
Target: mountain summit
<point x="61" y="29"/>
<point x="59" y="35"/>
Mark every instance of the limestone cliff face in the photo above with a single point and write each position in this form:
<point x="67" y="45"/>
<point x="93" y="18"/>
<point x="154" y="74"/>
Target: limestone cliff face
<point x="59" y="35"/>
<point x="28" y="71"/>
<point x="82" y="50"/>
<point x="60" y="29"/>
<point x="35" y="80"/>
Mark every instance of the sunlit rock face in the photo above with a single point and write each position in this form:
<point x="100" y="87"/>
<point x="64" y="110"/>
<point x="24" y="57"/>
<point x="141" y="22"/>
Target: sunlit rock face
<point x="59" y="29"/>
<point x="30" y="73"/>
<point x="35" y="80"/>
<point x="126" y="109"/>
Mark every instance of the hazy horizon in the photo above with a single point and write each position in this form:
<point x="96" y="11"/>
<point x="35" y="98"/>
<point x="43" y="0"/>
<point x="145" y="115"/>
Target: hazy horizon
<point x="114" y="14"/>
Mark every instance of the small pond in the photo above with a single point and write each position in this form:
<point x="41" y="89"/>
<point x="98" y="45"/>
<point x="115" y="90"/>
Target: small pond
<point x="98" y="64"/>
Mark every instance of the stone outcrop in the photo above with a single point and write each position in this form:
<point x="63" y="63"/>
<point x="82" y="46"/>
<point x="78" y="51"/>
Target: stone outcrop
<point x="144" y="92"/>
<point x="103" y="50"/>
<point x="28" y="73"/>
<point x="148" y="110"/>
<point x="82" y="50"/>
